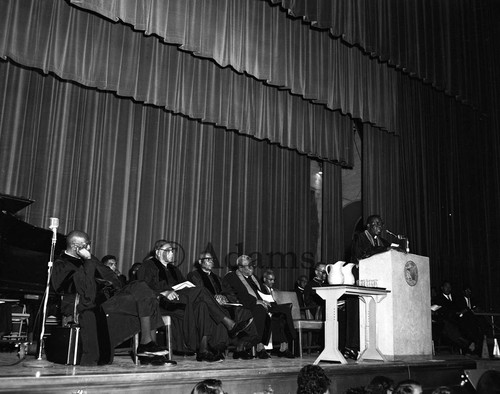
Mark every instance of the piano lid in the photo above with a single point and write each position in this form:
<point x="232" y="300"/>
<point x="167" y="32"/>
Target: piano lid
<point x="12" y="204"/>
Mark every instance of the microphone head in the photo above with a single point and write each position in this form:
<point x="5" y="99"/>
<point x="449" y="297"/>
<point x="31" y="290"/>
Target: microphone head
<point x="54" y="223"/>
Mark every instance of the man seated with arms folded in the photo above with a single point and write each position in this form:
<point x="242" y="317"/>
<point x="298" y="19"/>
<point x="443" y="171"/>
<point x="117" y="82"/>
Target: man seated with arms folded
<point x="131" y="308"/>
<point x="242" y="286"/>
<point x="198" y="320"/>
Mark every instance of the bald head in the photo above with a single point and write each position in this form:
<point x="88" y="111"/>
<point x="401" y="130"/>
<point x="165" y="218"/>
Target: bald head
<point x="76" y="240"/>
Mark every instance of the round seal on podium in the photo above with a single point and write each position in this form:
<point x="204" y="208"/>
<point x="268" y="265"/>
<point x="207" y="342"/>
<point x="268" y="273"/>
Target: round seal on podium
<point x="411" y="273"/>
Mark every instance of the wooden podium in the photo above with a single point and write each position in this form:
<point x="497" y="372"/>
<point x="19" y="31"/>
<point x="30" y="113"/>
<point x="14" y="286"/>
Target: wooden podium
<point x="404" y="318"/>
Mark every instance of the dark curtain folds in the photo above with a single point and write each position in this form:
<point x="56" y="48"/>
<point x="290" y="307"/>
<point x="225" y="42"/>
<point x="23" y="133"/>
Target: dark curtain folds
<point x="381" y="178"/>
<point x="129" y="174"/>
<point x="449" y="192"/>
<point x="79" y="46"/>
<point x="254" y="38"/>
<point x="332" y="240"/>
<point x="436" y="42"/>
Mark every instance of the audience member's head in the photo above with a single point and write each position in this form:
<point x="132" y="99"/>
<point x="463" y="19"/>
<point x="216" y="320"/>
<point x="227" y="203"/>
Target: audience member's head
<point x="442" y="390"/>
<point x="380" y="385"/>
<point x="208" y="386"/>
<point x="489" y="383"/>
<point x="312" y="380"/>
<point x="408" y="386"/>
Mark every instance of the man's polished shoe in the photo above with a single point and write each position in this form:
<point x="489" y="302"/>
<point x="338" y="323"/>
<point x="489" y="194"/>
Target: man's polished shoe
<point x="151" y="349"/>
<point x="239" y="327"/>
<point x="243" y="354"/>
<point x="208" y="357"/>
<point x="155" y="360"/>
<point x="286" y="353"/>
<point x="263" y="355"/>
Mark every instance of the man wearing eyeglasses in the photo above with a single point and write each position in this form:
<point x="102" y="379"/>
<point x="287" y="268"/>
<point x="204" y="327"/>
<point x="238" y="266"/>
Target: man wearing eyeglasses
<point x="203" y="276"/>
<point x="129" y="309"/>
<point x="195" y="312"/>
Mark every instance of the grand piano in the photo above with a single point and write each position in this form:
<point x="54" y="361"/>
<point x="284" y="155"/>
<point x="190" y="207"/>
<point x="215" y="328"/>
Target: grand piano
<point x="24" y="250"/>
<point x="24" y="256"/>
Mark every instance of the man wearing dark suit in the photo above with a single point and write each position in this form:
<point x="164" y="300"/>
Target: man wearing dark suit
<point x="243" y="286"/>
<point x="300" y="286"/>
<point x="281" y="320"/>
<point x="451" y="320"/>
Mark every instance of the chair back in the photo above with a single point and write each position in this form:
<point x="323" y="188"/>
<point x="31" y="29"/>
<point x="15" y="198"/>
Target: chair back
<point x="288" y="297"/>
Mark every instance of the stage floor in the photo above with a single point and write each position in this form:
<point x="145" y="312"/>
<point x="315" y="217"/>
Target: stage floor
<point x="238" y="376"/>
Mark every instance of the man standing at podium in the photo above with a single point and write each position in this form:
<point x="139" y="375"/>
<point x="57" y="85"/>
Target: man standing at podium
<point x="369" y="242"/>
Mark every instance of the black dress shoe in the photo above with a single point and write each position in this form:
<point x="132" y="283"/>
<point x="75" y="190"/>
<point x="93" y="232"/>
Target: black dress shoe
<point x="239" y="327"/>
<point x="153" y="360"/>
<point x="263" y="355"/>
<point x="243" y="354"/>
<point x="286" y="353"/>
<point x="209" y="357"/>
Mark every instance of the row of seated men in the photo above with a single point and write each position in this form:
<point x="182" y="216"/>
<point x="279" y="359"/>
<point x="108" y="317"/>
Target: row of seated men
<point x="455" y="322"/>
<point x="110" y="311"/>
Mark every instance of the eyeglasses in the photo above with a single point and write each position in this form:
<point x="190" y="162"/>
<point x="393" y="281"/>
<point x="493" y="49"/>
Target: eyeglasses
<point x="207" y="258"/>
<point x="168" y="250"/>
<point x="83" y="245"/>
<point x="248" y="265"/>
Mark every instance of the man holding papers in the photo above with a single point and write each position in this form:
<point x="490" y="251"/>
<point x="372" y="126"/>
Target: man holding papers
<point x="198" y="320"/>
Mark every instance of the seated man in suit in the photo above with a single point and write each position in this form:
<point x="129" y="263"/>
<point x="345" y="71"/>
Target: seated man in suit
<point x="299" y="289"/>
<point x="198" y="319"/>
<point x="242" y="286"/>
<point x="281" y="320"/>
<point x="454" y="324"/>
<point x="131" y="309"/>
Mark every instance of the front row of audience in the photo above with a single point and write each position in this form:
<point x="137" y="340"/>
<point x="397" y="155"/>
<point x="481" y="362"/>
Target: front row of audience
<point x="312" y="379"/>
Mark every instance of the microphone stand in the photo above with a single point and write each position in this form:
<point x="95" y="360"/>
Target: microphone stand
<point x="40" y="362"/>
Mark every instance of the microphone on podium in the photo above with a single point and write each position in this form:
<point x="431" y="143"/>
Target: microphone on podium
<point x="391" y="233"/>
